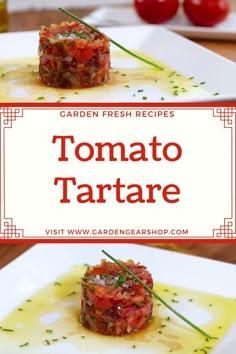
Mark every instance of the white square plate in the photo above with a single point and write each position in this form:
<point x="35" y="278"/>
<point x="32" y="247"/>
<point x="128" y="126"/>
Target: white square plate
<point x="44" y="263"/>
<point x="182" y="55"/>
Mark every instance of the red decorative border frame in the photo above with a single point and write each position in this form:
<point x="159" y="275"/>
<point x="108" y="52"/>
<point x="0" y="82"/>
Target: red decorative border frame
<point x="10" y="112"/>
<point x="228" y="116"/>
<point x="8" y="229"/>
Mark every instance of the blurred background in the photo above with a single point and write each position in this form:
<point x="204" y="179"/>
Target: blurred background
<point x="21" y="5"/>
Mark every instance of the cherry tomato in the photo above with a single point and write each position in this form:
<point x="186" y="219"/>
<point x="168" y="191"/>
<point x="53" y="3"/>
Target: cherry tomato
<point x="156" y="11"/>
<point x="206" y="12"/>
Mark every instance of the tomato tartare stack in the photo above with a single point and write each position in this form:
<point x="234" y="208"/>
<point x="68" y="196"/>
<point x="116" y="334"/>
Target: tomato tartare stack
<point x="113" y="302"/>
<point x="71" y="55"/>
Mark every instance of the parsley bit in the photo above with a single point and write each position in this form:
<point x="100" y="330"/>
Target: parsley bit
<point x="47" y="342"/>
<point x="144" y="97"/>
<point x="40" y="98"/>
<point x="140" y="90"/>
<point x="216" y="94"/>
<point x="2" y="75"/>
<point x="7" y="330"/>
<point x="20" y="309"/>
<point x="49" y="331"/>
<point x="57" y="283"/>
<point x="203" y="350"/>
<point x="64" y="337"/>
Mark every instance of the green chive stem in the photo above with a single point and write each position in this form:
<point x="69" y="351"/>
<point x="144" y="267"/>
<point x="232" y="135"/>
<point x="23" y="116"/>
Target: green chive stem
<point x="158" y="297"/>
<point x="111" y="40"/>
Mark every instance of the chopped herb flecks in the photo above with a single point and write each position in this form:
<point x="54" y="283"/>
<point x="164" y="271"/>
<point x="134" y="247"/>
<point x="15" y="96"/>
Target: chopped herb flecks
<point x="24" y="345"/>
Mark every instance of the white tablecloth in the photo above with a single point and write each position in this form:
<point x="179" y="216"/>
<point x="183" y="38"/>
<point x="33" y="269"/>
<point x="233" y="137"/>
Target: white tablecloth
<point x="21" y="5"/>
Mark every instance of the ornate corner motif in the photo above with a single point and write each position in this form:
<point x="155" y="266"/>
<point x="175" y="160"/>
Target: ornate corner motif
<point x="9" y="114"/>
<point x="226" y="231"/>
<point x="10" y="231"/>
<point x="226" y="115"/>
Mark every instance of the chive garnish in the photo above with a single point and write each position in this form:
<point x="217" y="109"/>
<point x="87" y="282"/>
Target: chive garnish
<point x="7" y="330"/>
<point x="151" y="291"/>
<point x="111" y="40"/>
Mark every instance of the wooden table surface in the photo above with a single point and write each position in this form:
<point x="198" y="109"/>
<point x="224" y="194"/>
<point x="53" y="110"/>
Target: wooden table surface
<point x="32" y="20"/>
<point x="222" y="252"/>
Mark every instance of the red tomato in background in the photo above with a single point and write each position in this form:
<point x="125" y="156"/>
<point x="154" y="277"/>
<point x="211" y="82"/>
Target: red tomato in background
<point x="156" y="11"/>
<point x="206" y="12"/>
